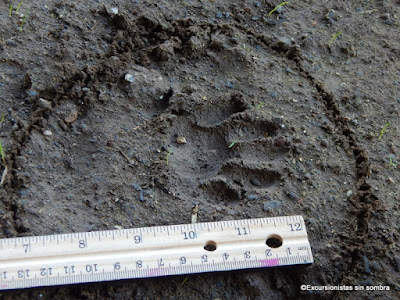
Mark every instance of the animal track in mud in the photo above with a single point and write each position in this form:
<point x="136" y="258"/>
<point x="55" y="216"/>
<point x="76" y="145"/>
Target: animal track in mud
<point x="229" y="153"/>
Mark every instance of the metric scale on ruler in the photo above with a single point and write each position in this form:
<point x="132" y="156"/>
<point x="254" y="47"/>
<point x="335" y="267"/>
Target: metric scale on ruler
<point x="153" y="251"/>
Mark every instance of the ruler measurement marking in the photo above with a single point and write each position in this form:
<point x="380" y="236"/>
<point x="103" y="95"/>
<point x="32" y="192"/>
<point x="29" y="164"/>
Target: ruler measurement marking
<point x="156" y="256"/>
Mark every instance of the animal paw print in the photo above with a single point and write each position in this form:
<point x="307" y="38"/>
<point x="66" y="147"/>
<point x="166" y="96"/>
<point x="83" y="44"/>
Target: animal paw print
<point x="230" y="152"/>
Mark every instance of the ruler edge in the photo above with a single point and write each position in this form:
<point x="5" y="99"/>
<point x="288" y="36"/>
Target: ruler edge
<point x="126" y="230"/>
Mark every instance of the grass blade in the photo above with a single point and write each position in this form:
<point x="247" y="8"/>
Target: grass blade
<point x="276" y="7"/>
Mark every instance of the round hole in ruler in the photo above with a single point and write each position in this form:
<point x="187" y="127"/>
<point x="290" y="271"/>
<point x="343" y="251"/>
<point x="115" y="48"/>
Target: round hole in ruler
<point x="274" y="241"/>
<point x="210" y="246"/>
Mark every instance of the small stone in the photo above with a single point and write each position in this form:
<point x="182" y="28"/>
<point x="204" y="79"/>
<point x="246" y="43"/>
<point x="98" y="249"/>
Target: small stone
<point x="129" y="78"/>
<point x="11" y="42"/>
<point x="47" y="133"/>
<point x="63" y="125"/>
<point x="252" y="197"/>
<point x="398" y="100"/>
<point x="230" y="85"/>
<point x="349" y="193"/>
<point x="255" y="182"/>
<point x="272" y="205"/>
<point x="283" y="44"/>
<point x="292" y="196"/>
<point x="32" y="93"/>
<point x="218" y="15"/>
<point x="72" y="116"/>
<point x="273" y="94"/>
<point x="42" y="103"/>
<point x="257" y="4"/>
<point x="141" y="197"/>
<point x="390" y="180"/>
<point x="136" y="186"/>
<point x="181" y="140"/>
<point x="280" y="141"/>
<point x="324" y="143"/>
<point x="114" y="10"/>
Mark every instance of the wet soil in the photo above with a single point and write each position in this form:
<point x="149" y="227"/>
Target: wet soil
<point x="131" y="118"/>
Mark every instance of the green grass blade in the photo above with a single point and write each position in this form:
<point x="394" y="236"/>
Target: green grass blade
<point x="2" y="154"/>
<point x="276" y="7"/>
<point x="18" y="7"/>
<point x="382" y="132"/>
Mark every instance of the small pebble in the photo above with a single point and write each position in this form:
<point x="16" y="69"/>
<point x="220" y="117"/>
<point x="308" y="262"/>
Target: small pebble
<point x="349" y="193"/>
<point x="283" y="44"/>
<point x="181" y="140"/>
<point x="129" y="77"/>
<point x="141" y="197"/>
<point x="324" y="143"/>
<point x="230" y="85"/>
<point x="307" y="176"/>
<point x="280" y="141"/>
<point x="292" y="196"/>
<point x="218" y="15"/>
<point x="136" y="186"/>
<point x="272" y="205"/>
<point x="114" y="10"/>
<point x="72" y="116"/>
<point x="255" y="182"/>
<point x="42" y="103"/>
<point x="11" y="42"/>
<point x="274" y="94"/>
<point x="47" y="133"/>
<point x="398" y="100"/>
<point x="257" y="4"/>
<point x="252" y="197"/>
<point x="32" y="93"/>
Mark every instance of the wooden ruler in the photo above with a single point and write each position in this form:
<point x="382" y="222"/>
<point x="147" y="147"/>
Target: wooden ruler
<point x="152" y="251"/>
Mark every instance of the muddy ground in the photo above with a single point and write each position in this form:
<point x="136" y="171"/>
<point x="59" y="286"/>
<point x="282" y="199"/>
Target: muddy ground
<point x="287" y="108"/>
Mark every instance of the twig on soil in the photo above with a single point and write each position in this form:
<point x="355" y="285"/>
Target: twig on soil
<point x="10" y="10"/>
<point x="276" y="7"/>
<point x="123" y="154"/>
<point x="259" y="105"/>
<point x="383" y="130"/>
<point x="232" y="144"/>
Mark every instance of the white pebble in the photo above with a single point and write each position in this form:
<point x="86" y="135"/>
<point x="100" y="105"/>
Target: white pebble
<point x="114" y="10"/>
<point x="129" y="77"/>
<point x="47" y="133"/>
